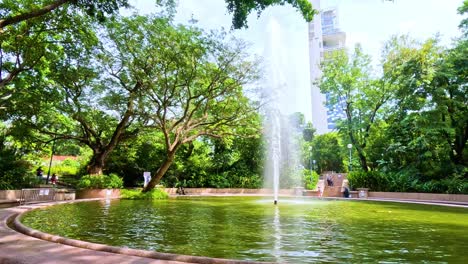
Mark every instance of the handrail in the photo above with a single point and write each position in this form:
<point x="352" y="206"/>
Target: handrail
<point x="37" y="195"/>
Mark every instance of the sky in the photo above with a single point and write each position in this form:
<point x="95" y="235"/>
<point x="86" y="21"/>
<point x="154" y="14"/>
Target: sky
<point x="368" y="22"/>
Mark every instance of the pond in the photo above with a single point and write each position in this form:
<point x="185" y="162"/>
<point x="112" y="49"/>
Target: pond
<point x="252" y="228"/>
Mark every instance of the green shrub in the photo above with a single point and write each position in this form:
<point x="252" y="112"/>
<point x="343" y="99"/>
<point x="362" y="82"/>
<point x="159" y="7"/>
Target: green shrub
<point x="451" y="186"/>
<point x="373" y="180"/>
<point x="111" y="181"/>
<point x="15" y="174"/>
<point x="310" y="179"/>
<point x="136" y="194"/>
<point x="404" y="181"/>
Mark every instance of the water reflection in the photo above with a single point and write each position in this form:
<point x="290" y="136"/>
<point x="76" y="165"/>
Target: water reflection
<point x="277" y="236"/>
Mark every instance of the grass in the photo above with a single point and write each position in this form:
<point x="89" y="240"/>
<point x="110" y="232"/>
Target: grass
<point x="136" y="194"/>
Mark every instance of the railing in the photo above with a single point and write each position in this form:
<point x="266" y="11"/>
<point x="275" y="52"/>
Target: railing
<point x="37" y="195"/>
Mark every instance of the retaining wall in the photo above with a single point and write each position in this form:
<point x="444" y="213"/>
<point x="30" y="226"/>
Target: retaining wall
<point x="420" y="196"/>
<point x="10" y="194"/>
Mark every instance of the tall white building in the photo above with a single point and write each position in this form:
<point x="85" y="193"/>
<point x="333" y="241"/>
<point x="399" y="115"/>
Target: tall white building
<point x="324" y="36"/>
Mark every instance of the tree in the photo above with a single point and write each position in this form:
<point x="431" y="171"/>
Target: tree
<point x="328" y="152"/>
<point x="449" y="94"/>
<point x="28" y="48"/>
<point x="422" y="125"/>
<point x="242" y="8"/>
<point x="192" y="82"/>
<point x="90" y="97"/>
<point x="348" y="82"/>
<point x="14" y="13"/>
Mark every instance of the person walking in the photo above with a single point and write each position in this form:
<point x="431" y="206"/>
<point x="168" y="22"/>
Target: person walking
<point x="39" y="174"/>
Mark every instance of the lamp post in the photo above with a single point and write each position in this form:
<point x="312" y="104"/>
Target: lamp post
<point x="313" y="165"/>
<point x="51" y="157"/>
<point x="350" y="146"/>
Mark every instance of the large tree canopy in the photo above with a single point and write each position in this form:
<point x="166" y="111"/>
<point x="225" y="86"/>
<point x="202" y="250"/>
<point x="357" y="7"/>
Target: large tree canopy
<point x="348" y="81"/>
<point x="193" y="81"/>
<point x="242" y="8"/>
<point x="12" y="12"/>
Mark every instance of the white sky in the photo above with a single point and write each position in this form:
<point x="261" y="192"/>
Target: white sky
<point x="369" y="22"/>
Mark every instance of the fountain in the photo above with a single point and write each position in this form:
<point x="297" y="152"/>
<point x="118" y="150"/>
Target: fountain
<point x="282" y="148"/>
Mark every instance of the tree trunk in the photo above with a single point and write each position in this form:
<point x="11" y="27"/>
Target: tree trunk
<point x="362" y="157"/>
<point x="363" y="161"/>
<point x="161" y="171"/>
<point x="96" y="165"/>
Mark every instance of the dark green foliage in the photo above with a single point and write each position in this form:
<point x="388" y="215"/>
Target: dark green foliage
<point x="111" y="181"/>
<point x="242" y="8"/>
<point x="311" y="179"/>
<point x="405" y="182"/>
<point x="328" y="152"/>
<point x="373" y="180"/>
<point x="204" y="163"/>
<point x="136" y="194"/>
<point x="15" y="173"/>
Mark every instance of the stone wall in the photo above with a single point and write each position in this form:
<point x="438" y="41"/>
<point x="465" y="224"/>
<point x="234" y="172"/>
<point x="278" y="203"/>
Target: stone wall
<point x="420" y="196"/>
<point x="97" y="193"/>
<point x="10" y="194"/>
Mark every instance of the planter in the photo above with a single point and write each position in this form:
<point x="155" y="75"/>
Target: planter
<point x="363" y="192"/>
<point x="97" y="193"/>
<point x="65" y="195"/>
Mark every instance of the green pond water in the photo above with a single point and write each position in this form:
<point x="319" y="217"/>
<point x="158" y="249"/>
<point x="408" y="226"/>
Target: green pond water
<point x="247" y="228"/>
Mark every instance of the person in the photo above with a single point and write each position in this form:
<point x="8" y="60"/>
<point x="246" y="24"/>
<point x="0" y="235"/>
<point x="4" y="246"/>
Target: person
<point x="180" y="190"/>
<point x="39" y="173"/>
<point x="54" y="178"/>
<point x="329" y="180"/>
<point x="346" y="192"/>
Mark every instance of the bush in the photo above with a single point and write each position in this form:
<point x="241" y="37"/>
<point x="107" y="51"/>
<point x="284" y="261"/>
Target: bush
<point x="451" y="186"/>
<point x="14" y="172"/>
<point x="311" y="179"/>
<point x="111" y="181"/>
<point x="404" y="181"/>
<point x="136" y="194"/>
<point x="373" y="180"/>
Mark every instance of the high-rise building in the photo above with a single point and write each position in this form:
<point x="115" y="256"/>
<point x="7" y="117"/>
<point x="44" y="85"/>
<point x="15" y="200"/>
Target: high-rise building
<point x="324" y="36"/>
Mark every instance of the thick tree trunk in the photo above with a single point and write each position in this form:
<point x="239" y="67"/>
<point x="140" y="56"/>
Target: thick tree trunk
<point x="161" y="171"/>
<point x="97" y="163"/>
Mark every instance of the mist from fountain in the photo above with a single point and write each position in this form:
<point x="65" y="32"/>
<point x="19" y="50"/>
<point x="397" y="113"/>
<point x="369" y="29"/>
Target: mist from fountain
<point x="282" y="150"/>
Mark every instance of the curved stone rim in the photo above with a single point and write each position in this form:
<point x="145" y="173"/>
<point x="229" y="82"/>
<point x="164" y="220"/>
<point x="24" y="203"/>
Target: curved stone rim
<point x="18" y="226"/>
<point x="14" y="218"/>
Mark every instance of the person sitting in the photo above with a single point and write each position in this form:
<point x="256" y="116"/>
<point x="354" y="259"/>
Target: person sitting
<point x="54" y="179"/>
<point x="346" y="192"/>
